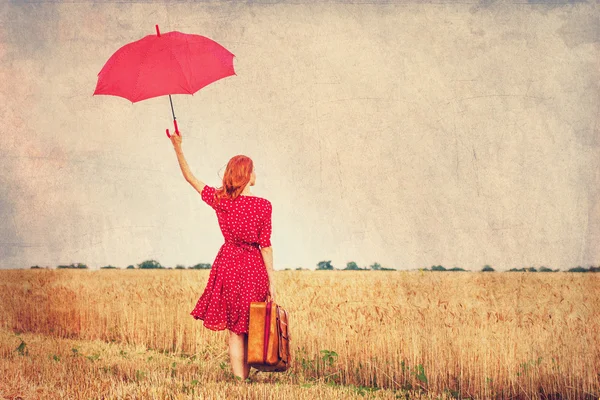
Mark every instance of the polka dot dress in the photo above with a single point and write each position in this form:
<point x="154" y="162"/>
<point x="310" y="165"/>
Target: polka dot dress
<point x="238" y="275"/>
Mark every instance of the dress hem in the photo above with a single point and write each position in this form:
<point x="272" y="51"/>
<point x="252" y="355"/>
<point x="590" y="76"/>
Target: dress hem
<point x="216" y="329"/>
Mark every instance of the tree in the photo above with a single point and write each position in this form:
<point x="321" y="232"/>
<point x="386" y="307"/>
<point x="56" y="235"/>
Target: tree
<point x="76" y="266"/>
<point x="375" y="266"/>
<point x="150" y="264"/>
<point x="577" y="269"/>
<point x="108" y="267"/>
<point x="487" y="268"/>
<point x="179" y="266"/>
<point x="516" y="270"/>
<point x="130" y="267"/>
<point x="437" y="268"/>
<point x="201" y="266"/>
<point x="351" y="266"/>
<point x="324" y="265"/>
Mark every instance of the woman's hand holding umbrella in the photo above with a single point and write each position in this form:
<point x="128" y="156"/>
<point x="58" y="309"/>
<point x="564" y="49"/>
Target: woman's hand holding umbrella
<point x="175" y="139"/>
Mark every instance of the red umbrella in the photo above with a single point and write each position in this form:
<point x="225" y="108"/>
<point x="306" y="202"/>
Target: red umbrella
<point x="158" y="65"/>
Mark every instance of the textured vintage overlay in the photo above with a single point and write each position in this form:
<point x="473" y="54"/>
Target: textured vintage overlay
<point x="410" y="134"/>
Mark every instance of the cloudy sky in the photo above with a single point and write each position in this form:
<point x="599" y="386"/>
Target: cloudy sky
<point x="408" y="134"/>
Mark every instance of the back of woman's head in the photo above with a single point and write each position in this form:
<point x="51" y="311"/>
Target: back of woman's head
<point x="237" y="175"/>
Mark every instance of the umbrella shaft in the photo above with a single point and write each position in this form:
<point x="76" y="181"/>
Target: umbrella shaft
<point x="172" y="108"/>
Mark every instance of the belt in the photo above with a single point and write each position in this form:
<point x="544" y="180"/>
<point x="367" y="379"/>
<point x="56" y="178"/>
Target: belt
<point x="242" y="244"/>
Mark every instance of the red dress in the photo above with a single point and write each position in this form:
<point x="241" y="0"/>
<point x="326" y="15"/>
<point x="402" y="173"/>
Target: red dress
<point x="238" y="275"/>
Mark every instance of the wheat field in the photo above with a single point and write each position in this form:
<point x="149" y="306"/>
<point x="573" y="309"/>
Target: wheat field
<point x="127" y="334"/>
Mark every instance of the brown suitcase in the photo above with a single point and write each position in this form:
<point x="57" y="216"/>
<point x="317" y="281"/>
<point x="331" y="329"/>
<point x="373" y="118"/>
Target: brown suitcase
<point x="268" y="337"/>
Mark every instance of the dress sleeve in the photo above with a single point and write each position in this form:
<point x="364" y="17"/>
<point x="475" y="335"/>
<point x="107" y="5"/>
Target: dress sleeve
<point x="264" y="230"/>
<point x="208" y="195"/>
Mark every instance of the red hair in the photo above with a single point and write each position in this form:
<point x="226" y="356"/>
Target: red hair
<point x="237" y="175"/>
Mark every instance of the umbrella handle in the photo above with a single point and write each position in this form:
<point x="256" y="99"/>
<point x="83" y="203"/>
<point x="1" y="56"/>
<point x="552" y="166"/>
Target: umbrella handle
<point x="176" y="129"/>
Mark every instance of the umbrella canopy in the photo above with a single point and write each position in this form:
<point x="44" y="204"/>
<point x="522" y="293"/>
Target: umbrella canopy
<point x="164" y="64"/>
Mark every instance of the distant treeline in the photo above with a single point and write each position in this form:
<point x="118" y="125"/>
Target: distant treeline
<point x="327" y="266"/>
<point x="351" y="266"/>
<point x="148" y="264"/>
<point x="487" y="268"/>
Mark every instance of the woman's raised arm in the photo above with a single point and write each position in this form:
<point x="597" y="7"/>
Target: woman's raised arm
<point x="185" y="169"/>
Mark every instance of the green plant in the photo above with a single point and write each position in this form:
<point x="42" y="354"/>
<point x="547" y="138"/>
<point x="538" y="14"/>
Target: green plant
<point x="329" y="357"/>
<point x="139" y="375"/>
<point x="527" y="365"/>
<point x="308" y="365"/>
<point x="190" y="389"/>
<point x="21" y="349"/>
<point x="419" y="372"/>
<point x="452" y="393"/>
<point x="403" y="366"/>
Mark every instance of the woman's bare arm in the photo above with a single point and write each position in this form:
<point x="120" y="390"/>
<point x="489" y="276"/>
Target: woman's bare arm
<point x="267" y="254"/>
<point x="185" y="169"/>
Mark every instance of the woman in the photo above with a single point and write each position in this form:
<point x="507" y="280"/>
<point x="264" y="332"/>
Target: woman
<point x="242" y="270"/>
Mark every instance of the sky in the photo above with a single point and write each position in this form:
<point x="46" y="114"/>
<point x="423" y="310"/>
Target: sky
<point x="408" y="134"/>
